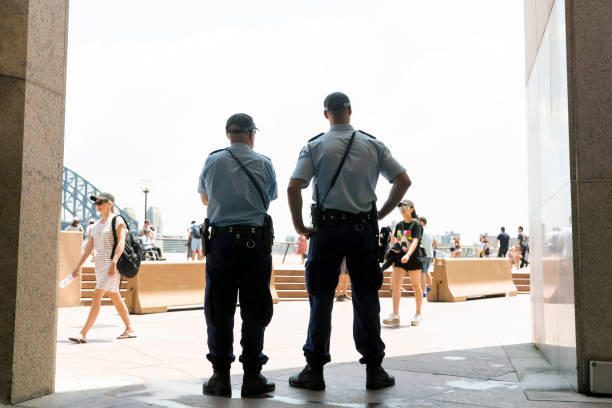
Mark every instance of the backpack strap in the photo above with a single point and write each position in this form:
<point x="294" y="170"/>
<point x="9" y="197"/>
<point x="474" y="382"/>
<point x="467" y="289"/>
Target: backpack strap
<point x="114" y="228"/>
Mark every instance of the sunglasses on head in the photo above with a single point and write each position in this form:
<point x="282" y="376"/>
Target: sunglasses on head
<point x="100" y="202"/>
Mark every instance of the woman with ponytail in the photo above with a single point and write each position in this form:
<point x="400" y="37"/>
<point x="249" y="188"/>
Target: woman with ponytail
<point x="406" y="239"/>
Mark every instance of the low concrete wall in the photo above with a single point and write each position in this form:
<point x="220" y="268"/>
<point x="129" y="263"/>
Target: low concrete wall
<point x="160" y="285"/>
<point x="456" y="280"/>
<point x="69" y="255"/>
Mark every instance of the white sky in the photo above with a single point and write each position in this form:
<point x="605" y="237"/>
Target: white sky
<point x="151" y="84"/>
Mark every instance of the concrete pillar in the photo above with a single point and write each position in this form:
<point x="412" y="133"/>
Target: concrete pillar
<point x="589" y="66"/>
<point x="33" y="36"/>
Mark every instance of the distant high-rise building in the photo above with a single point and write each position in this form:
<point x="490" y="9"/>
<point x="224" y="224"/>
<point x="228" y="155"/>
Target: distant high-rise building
<point x="132" y="213"/>
<point x="154" y="215"/>
<point x="445" y="239"/>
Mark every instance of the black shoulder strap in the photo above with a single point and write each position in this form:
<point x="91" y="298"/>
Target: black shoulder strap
<point x="316" y="137"/>
<point x="367" y="134"/>
<point x="114" y="228"/>
<point x="248" y="173"/>
<point x="337" y="173"/>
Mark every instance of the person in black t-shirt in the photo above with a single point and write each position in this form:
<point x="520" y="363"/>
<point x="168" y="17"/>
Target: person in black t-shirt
<point x="406" y="240"/>
<point x="502" y="243"/>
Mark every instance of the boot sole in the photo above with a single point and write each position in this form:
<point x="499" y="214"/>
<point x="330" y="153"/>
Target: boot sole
<point x="308" y="386"/>
<point x="252" y="393"/>
<point x="218" y="392"/>
<point x="380" y="386"/>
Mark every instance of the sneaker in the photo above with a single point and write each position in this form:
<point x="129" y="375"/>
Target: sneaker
<point x="377" y="378"/>
<point x="428" y="289"/>
<point x="392" y="320"/>
<point x="310" y="378"/>
<point x="348" y="297"/>
<point x="219" y="385"/>
<point x="256" y="384"/>
<point x="424" y="294"/>
<point x="417" y="319"/>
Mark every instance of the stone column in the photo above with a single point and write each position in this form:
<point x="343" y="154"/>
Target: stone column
<point x="33" y="35"/>
<point x="589" y="65"/>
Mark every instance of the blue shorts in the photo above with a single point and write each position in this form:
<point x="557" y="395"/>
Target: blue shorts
<point x="196" y="244"/>
<point x="426" y="262"/>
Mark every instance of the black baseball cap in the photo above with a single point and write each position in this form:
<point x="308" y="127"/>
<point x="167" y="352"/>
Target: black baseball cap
<point x="103" y="196"/>
<point x="335" y="101"/>
<point x="242" y="120"/>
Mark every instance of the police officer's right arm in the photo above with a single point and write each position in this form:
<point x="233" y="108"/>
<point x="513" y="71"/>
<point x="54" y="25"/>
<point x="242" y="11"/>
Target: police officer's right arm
<point x="294" y="194"/>
<point x="301" y="177"/>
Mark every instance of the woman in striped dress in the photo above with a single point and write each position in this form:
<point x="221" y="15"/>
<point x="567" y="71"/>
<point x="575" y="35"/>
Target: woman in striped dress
<point x="107" y="275"/>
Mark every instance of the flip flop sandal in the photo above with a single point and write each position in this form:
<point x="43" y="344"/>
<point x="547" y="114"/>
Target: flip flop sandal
<point x="127" y="336"/>
<point x="77" y="340"/>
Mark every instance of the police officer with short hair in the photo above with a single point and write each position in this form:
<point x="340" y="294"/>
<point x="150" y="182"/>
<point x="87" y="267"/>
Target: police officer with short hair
<point x="345" y="165"/>
<point x="237" y="185"/>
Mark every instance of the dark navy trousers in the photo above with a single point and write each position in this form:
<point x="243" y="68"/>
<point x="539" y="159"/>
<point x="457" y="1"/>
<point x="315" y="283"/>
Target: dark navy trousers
<point x="357" y="242"/>
<point x="232" y="266"/>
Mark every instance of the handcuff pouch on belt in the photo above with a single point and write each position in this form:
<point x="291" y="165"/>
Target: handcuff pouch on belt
<point x="316" y="209"/>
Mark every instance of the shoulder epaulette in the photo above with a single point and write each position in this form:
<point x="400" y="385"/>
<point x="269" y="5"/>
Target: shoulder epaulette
<point x="317" y="136"/>
<point x="367" y="134"/>
<point x="266" y="157"/>
<point x="216" y="151"/>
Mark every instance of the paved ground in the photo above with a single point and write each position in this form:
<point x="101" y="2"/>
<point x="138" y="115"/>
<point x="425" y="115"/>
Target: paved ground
<point x="459" y="357"/>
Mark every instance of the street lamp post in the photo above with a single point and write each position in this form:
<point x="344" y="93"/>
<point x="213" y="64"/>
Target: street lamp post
<point x="146" y="192"/>
<point x="145" y="186"/>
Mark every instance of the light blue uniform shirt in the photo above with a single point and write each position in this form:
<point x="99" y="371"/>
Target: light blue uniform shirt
<point x="354" y="191"/>
<point x="232" y="197"/>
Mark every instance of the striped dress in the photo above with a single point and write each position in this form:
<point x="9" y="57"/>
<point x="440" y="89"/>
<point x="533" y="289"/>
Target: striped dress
<point x="102" y="234"/>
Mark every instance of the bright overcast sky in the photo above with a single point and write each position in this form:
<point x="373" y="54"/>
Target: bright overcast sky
<point x="151" y="84"/>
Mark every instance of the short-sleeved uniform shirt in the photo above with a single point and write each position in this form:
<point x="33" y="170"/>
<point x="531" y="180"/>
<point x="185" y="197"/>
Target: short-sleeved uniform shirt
<point x="406" y="232"/>
<point x="504" y="240"/>
<point x="354" y="191"/>
<point x="232" y="197"/>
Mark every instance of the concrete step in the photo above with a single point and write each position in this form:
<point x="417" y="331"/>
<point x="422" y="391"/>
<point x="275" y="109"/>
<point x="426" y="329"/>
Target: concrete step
<point x="289" y="279"/>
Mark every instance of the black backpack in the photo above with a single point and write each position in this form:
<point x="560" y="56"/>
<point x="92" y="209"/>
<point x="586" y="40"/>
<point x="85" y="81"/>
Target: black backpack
<point x="129" y="261"/>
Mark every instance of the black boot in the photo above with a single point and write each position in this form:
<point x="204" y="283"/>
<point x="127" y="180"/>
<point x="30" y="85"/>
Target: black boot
<point x="219" y="384"/>
<point x="378" y="378"/>
<point x="255" y="383"/>
<point x="310" y="378"/>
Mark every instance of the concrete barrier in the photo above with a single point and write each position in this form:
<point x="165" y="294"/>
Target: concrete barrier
<point x="69" y="256"/>
<point x="160" y="285"/>
<point x="456" y="280"/>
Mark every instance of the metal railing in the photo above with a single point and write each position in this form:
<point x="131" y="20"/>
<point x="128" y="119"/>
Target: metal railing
<point x="284" y="248"/>
<point x="179" y="246"/>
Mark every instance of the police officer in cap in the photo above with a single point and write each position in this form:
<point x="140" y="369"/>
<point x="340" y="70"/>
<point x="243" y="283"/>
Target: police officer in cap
<point x="237" y="185"/>
<point x="345" y="164"/>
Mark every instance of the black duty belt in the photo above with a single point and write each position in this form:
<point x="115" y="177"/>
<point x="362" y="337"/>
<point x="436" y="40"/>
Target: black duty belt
<point x="342" y="216"/>
<point x="239" y="231"/>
